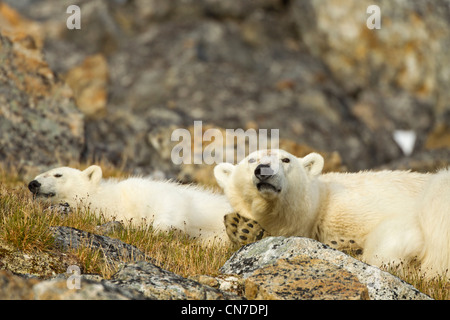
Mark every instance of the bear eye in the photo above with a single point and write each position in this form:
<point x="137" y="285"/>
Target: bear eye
<point x="286" y="160"/>
<point x="58" y="175"/>
<point x="251" y="160"/>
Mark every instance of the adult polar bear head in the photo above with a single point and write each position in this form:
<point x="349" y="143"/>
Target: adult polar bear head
<point x="66" y="185"/>
<point x="275" y="188"/>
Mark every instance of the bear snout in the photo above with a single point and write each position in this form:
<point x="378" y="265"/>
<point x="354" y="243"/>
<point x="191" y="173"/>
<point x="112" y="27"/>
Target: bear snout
<point x="264" y="172"/>
<point x="34" y="186"/>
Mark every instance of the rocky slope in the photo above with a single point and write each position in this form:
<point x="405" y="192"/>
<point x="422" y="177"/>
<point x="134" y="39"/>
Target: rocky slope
<point x="311" y="69"/>
<point x="39" y="121"/>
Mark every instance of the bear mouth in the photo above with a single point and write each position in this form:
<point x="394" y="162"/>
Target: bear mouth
<point x="264" y="186"/>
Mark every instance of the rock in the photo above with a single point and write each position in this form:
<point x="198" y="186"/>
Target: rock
<point x="57" y="289"/>
<point x="232" y="284"/>
<point x="113" y="250"/>
<point x="404" y="50"/>
<point x="142" y="280"/>
<point x="89" y="84"/>
<point x="20" y="29"/>
<point x="109" y="227"/>
<point x="135" y="279"/>
<point x="13" y="287"/>
<point x="62" y="209"/>
<point x="397" y="73"/>
<point x="247" y="65"/>
<point x="439" y="136"/>
<point x="303" y="278"/>
<point x="154" y="282"/>
<point x="311" y="69"/>
<point x="35" y="263"/>
<point x="268" y="252"/>
<point x="39" y="122"/>
<point x="423" y="161"/>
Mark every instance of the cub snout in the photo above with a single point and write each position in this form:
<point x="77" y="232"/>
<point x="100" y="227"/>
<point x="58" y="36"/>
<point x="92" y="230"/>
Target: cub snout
<point x="34" y="186"/>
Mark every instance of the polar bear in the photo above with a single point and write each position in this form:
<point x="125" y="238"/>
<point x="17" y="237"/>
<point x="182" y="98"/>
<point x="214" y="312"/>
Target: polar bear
<point x="392" y="216"/>
<point x="196" y="211"/>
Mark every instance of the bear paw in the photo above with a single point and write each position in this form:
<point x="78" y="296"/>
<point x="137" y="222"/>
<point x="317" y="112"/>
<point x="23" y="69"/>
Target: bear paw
<point x="242" y="230"/>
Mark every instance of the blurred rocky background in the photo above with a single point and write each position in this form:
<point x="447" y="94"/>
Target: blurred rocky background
<point x="115" y="89"/>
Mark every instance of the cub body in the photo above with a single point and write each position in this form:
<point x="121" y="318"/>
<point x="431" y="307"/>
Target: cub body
<point x="165" y="204"/>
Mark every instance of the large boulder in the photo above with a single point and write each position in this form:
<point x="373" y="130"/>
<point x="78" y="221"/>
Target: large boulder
<point x="312" y="270"/>
<point x="39" y="122"/>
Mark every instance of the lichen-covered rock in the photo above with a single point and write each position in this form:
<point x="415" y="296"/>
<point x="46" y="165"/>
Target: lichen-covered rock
<point x="170" y="64"/>
<point x="397" y="74"/>
<point x="36" y="263"/>
<point x="39" y="122"/>
<point x="57" y="289"/>
<point x="113" y="250"/>
<point x="303" y="278"/>
<point x="14" y="287"/>
<point x="267" y="252"/>
<point x="88" y="82"/>
<point x="226" y="283"/>
<point x="154" y="282"/>
<point x="312" y="69"/>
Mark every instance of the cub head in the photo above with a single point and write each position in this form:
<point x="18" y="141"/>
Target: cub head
<point x="268" y="175"/>
<point x="65" y="184"/>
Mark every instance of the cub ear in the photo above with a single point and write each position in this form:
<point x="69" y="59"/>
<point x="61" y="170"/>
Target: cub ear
<point x="222" y="172"/>
<point x="313" y="163"/>
<point x="93" y="174"/>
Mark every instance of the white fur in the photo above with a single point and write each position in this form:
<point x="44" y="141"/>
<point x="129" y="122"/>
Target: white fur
<point x="393" y="215"/>
<point x="165" y="204"/>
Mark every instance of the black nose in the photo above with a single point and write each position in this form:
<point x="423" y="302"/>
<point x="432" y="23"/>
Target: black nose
<point x="34" y="186"/>
<point x="263" y="172"/>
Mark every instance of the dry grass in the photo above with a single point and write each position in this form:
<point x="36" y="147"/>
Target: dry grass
<point x="24" y="224"/>
<point x="438" y="287"/>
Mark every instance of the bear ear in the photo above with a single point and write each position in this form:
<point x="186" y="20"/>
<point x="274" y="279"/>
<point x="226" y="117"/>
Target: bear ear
<point x="222" y="172"/>
<point x="313" y="163"/>
<point x="93" y="174"/>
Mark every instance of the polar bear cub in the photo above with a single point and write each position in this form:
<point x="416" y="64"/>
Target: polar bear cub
<point x="165" y="204"/>
<point x="393" y="216"/>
